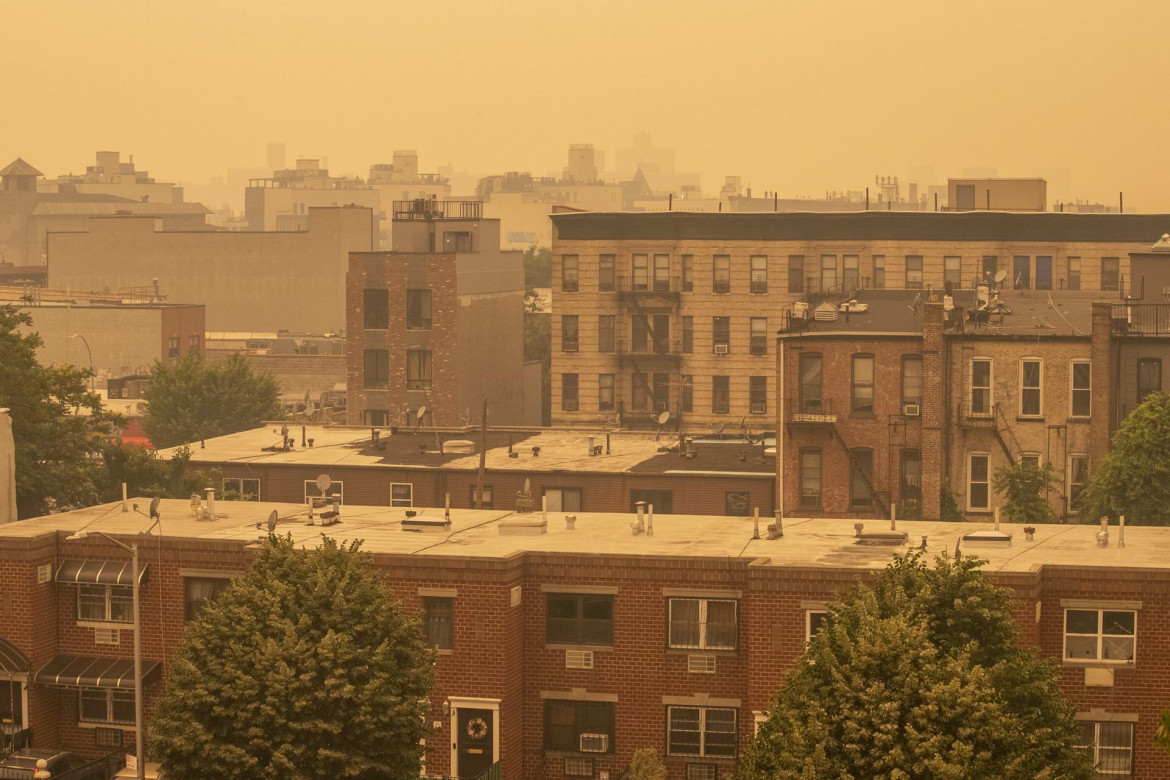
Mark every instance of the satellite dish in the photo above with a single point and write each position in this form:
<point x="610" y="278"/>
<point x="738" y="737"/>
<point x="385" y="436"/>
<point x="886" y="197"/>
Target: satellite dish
<point x="323" y="482"/>
<point x="662" y="418"/>
<point x="527" y="486"/>
<point x="421" y="413"/>
<point x="306" y="395"/>
<point x="154" y="502"/>
<point x="1001" y="275"/>
<point x="272" y="521"/>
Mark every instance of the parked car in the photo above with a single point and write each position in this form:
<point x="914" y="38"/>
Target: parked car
<point x="23" y="765"/>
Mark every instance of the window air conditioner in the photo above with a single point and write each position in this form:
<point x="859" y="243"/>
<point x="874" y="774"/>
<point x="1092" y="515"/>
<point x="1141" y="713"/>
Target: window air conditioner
<point x="701" y="664"/>
<point x="911" y="410"/>
<point x="578" y="659"/>
<point x="594" y="743"/>
<point x="759" y="408"/>
<point x="721" y="349"/>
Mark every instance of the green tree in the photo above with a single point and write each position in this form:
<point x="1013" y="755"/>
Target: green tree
<point x="1134" y="478"/>
<point x="645" y="765"/>
<point x="305" y="668"/>
<point x="56" y="422"/>
<point x="193" y="399"/>
<point x="1025" y="487"/>
<point x="921" y="675"/>
<point x="537" y="267"/>
<point x="538" y="346"/>
<point x="146" y="474"/>
<point x="948" y="505"/>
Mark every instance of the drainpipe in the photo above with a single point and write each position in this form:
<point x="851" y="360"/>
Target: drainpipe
<point x="780" y="438"/>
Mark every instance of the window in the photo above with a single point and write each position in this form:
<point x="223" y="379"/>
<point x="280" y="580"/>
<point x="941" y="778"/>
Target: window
<point x="913" y="272"/>
<point x="240" y="489"/>
<point x="810" y="478"/>
<point x="796" y="273"/>
<point x="688" y="393"/>
<point x="1074" y="273"/>
<point x="1149" y="377"/>
<point x="377" y="418"/>
<point x="578" y="619"/>
<point x="418" y="309"/>
<point x="401" y="494"/>
<point x="1031" y="372"/>
<point x="11" y="705"/>
<point x="978" y="483"/>
<point x="952" y="271"/>
<point x="759" y="274"/>
<point x="376" y="309"/>
<point x="1021" y="272"/>
<point x="193" y="342"/>
<point x="198" y="592"/>
<point x="814" y="621"/>
<point x="852" y="272"/>
<point x="981" y="387"/>
<point x="641" y="272"/>
<point x="439" y="622"/>
<point x="418" y="369"/>
<point x="1099" y="634"/>
<point x="688" y="273"/>
<point x="661" y="394"/>
<point x="1110" y="273"/>
<point x="486" y="502"/>
<point x="912" y="379"/>
<point x="660" y="333"/>
<point x="1078" y="477"/>
<point x="569" y="333"/>
<point x="605" y="332"/>
<point x="1082" y="378"/>
<point x="721" y="265"/>
<point x="569" y="392"/>
<point x="721" y="333"/>
<point x="879" y="272"/>
<point x="638" y="392"/>
<point x="565" y="722"/>
<point x="720" y="394"/>
<point x="562" y="499"/>
<point x="1109" y="743"/>
<point x="335" y="490"/>
<point x="828" y="272"/>
<point x="759" y="335"/>
<point x="1030" y="459"/>
<point x="460" y="241"/>
<point x="862" y="393"/>
<point x="605" y="272"/>
<point x="173" y="346"/>
<point x="860" y="478"/>
<point x="810" y="383"/>
<point x="758" y="394"/>
<point x="990" y="268"/>
<point x="105" y="603"/>
<point x="1043" y="272"/>
<point x="639" y="331"/>
<point x="377" y="373"/>
<point x="702" y="624"/>
<point x="661" y="273"/>
<point x="569" y="271"/>
<point x="102" y="705"/>
<point x="911" y="482"/>
<point x="701" y="731"/>
<point x="605" y="392"/>
<point x="688" y="334"/>
<point x="704" y="771"/>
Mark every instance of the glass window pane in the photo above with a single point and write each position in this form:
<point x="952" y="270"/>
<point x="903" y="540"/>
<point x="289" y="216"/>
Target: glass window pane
<point x="1081" y="621"/>
<point x="94" y="705"/>
<point x="121" y="604"/>
<point x="684" y="622"/>
<point x="721" y="628"/>
<point x="1080" y="647"/>
<point x="123" y="707"/>
<point x="683" y="738"/>
<point x="1118" y="623"/>
<point x="1117" y="648"/>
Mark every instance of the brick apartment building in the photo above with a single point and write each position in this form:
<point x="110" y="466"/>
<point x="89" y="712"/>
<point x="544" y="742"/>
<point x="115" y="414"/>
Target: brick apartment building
<point x="437" y="325"/>
<point x="675" y="311"/>
<point x="563" y="649"/>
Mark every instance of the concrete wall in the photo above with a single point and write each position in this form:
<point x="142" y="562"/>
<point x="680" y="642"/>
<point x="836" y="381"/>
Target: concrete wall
<point x="265" y="205"/>
<point x="248" y="281"/>
<point x="1002" y="194"/>
<point x="491" y="336"/>
<point x="295" y="373"/>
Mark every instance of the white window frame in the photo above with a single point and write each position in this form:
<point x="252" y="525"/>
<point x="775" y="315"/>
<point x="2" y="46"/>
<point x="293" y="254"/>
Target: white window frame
<point x="109" y="720"/>
<point x="703" y="643"/>
<point x="1098" y="660"/>
<point x="808" y="616"/>
<point x="239" y="488"/>
<point x="108" y="617"/>
<point x="1068" y="493"/>
<point x="970" y="457"/>
<point x="702" y="730"/>
<point x="561" y="490"/>
<point x="990" y="387"/>
<point x="1073" y="390"/>
<point x="1039" y="389"/>
<point x="1095" y="746"/>
<point x="311" y="490"/>
<point x="397" y="502"/>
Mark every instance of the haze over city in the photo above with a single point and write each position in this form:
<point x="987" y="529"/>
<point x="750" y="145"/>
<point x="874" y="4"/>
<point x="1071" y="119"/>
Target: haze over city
<point x="799" y="98"/>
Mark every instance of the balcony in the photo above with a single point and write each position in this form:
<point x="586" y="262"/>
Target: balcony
<point x="1141" y="319"/>
<point x="810" y="412"/>
<point x="668" y="350"/>
<point x="649" y="286"/>
<point x="431" y="209"/>
<point x="981" y="415"/>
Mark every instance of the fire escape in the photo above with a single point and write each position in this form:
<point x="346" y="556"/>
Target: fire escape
<point x="822" y="414"/>
<point x="980" y="417"/>
<point x="648" y="304"/>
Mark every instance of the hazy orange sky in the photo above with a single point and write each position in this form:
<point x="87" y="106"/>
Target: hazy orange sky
<point x="800" y="97"/>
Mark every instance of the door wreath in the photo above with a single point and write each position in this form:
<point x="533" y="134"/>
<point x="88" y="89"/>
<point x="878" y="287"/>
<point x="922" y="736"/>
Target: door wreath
<point x="477" y="728"/>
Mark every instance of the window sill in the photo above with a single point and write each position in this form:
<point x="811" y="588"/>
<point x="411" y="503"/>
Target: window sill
<point x="1080" y="418"/>
<point x="701" y="651"/>
<point x="1084" y="662"/>
<point x="1025" y="419"/>
<point x="706" y="759"/>
<point x="579" y="754"/>
<point x="863" y="415"/>
<point x="593" y="648"/>
<point x="85" y="724"/>
<point x="444" y="651"/>
<point x="129" y="625"/>
<point x="374" y="387"/>
<point x="979" y="511"/>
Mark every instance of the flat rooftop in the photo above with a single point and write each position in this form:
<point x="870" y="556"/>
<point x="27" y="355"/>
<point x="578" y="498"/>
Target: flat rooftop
<point x="560" y="450"/>
<point x="475" y="534"/>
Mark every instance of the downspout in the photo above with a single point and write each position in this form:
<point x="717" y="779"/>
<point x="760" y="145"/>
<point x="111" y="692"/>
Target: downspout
<point x="780" y="436"/>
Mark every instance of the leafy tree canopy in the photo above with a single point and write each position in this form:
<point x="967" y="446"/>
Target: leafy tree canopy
<point x="1025" y="487"/>
<point x="56" y="422"/>
<point x="537" y="267"/>
<point x="146" y="474"/>
<point x="305" y="668"/>
<point x="193" y="399"/>
<point x="646" y="765"/>
<point x="919" y="676"/>
<point x="1134" y="479"/>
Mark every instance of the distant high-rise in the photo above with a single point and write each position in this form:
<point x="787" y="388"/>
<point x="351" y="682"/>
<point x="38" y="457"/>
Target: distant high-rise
<point x="276" y="155"/>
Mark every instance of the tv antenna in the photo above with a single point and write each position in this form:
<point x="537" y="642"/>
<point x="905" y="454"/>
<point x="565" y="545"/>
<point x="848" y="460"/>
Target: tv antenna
<point x="272" y="520"/>
<point x="154" y="502"/>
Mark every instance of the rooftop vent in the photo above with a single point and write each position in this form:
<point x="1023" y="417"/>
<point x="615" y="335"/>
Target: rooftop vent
<point x="988" y="538"/>
<point x="415" y="522"/>
<point x="1162" y="244"/>
<point x="878" y="539"/>
<point x="524" y="527"/>
<point x="459" y="447"/>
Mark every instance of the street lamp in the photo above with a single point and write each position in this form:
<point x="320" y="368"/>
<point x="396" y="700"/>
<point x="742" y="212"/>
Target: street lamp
<point x="88" y="352"/>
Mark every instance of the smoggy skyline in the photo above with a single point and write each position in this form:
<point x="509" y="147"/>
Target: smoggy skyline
<point x="795" y="97"/>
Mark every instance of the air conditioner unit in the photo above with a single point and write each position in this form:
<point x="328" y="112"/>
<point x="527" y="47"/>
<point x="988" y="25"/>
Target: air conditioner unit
<point x="105" y="636"/>
<point x="701" y="664"/>
<point x="594" y="743"/>
<point x="911" y="410"/>
<point x="44" y="573"/>
<point x="721" y="349"/>
<point x="578" y="659"/>
<point x="759" y="408"/>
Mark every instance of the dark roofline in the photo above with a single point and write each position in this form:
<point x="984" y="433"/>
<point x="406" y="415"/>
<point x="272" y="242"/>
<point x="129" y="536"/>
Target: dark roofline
<point x="862" y="226"/>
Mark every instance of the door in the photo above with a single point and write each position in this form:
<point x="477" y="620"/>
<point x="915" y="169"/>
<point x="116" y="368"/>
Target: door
<point x="965" y="197"/>
<point x="474" y="740"/>
<point x="661" y="500"/>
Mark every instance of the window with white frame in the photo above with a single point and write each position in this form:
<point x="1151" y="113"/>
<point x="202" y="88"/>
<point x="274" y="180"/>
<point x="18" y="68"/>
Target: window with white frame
<point x="702" y="624"/>
<point x="1109" y="744"/>
<point x="1031" y="390"/>
<point x="814" y="621"/>
<point x="759" y="273"/>
<point x="313" y="493"/>
<point x="978" y="482"/>
<point x="1100" y="635"/>
<point x="953" y="271"/>
<point x="701" y="731"/>
<point x="1081" y="403"/>
<point x="105" y="603"/>
<point x="240" y="489"/>
<point x="563" y="499"/>
<point x="981" y="386"/>
<point x="401" y="494"/>
<point x="1078" y="477"/>
<point x="102" y="705"/>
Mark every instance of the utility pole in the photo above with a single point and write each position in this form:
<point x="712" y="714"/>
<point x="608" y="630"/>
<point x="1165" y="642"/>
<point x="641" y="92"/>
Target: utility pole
<point x="483" y="422"/>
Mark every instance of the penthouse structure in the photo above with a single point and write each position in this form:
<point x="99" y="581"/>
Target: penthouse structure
<point x="565" y="642"/>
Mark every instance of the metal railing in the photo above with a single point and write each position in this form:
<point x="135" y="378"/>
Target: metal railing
<point x="652" y="346"/>
<point x="1141" y="319"/>
<point x="431" y="209"/>
<point x="493" y="772"/>
<point x="648" y="284"/>
<point x="808" y="411"/>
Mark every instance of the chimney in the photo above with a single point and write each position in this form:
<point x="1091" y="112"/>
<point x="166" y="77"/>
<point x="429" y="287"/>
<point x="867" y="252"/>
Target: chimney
<point x="7" y="470"/>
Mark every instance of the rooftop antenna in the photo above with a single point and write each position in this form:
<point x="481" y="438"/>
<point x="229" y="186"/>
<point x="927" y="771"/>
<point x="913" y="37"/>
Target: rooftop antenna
<point x="662" y="419"/>
<point x="154" y="502"/>
<point x="323" y="482"/>
<point x="272" y="517"/>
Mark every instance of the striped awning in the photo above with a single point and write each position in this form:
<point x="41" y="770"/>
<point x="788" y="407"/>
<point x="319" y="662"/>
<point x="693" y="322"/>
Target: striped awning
<point x="99" y="572"/>
<point x="79" y="671"/>
<point x="12" y="661"/>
